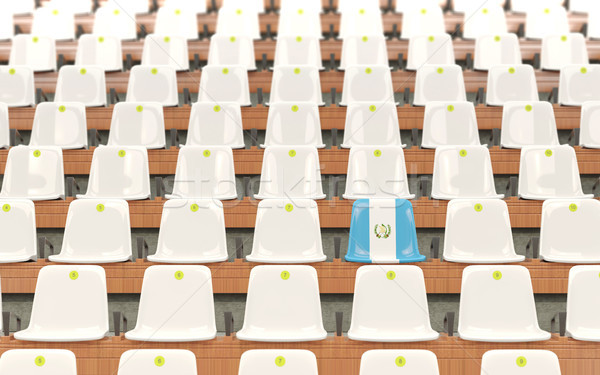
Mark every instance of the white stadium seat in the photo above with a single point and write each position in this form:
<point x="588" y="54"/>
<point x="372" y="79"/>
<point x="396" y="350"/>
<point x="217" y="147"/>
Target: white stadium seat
<point x="17" y="86"/>
<point x="58" y="24"/>
<point x="429" y="49"/>
<point x="198" y="7"/>
<point x="34" y="173"/>
<point x="364" y="83"/>
<point x="497" y="305"/>
<point x="256" y="6"/>
<point x="520" y="361"/>
<point x="283" y="305"/>
<point x="35" y="52"/>
<point x="277" y="362"/>
<point x="523" y="6"/>
<point x="119" y="172"/>
<point x="548" y="172"/>
<point x="182" y="223"/>
<point x="84" y="219"/>
<point x="307" y="5"/>
<point x="174" y="21"/>
<point x="370" y="50"/>
<point x="387" y="361"/>
<point x="489" y="19"/>
<point x="583" y="306"/>
<point x="18" y="229"/>
<point x="507" y="83"/>
<point x="290" y="173"/>
<point x="153" y="84"/>
<point x="491" y="50"/>
<point x="463" y="172"/>
<point x="85" y="84"/>
<point x="296" y="84"/>
<point x="176" y="305"/>
<point x="157" y="362"/>
<point x="589" y="135"/>
<point x="479" y="231"/>
<point x="576" y="84"/>
<point x="75" y="6"/>
<point x="18" y="7"/>
<point x="371" y="124"/>
<point x="166" y="50"/>
<point x="577" y="217"/>
<point x="232" y="50"/>
<point x="224" y="84"/>
<point x="7" y="24"/>
<point x="287" y="231"/>
<point x="38" y="361"/>
<point x="291" y="123"/>
<point x="546" y="20"/>
<point x="131" y="7"/>
<point x="300" y="21"/>
<point x="449" y="124"/>
<point x="361" y="21"/>
<point x="390" y="305"/>
<point x="216" y="124"/>
<point x="77" y="299"/>
<point x="4" y="126"/>
<point x="422" y="19"/>
<point x="205" y="172"/>
<point x="468" y="6"/>
<point x="59" y="124"/>
<point x="298" y="50"/>
<point x="439" y="83"/>
<point x="111" y="21"/>
<point x="137" y="124"/>
<point x="233" y="20"/>
<point x="528" y="124"/>
<point x="559" y="51"/>
<point x="102" y="51"/>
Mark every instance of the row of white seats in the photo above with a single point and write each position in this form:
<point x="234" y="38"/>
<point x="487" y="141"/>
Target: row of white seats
<point x="283" y="305"/>
<point x="122" y="172"/>
<point x="279" y="361"/>
<point x="289" y="231"/>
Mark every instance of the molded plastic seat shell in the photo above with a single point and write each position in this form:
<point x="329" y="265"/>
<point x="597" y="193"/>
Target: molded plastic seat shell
<point x="84" y="219"/>
<point x="371" y="84"/>
<point x="174" y="21"/>
<point x="166" y="50"/>
<point x="449" y="123"/>
<point x="133" y="7"/>
<point x="377" y="172"/>
<point x="298" y="50"/>
<point x="497" y="305"/>
<point x="17" y="87"/>
<point x="290" y="172"/>
<point x="59" y="124"/>
<point x="385" y="362"/>
<point x="479" y="231"/>
<point x="370" y="50"/>
<point x="429" y="49"/>
<point x="538" y="362"/>
<point x="110" y="20"/>
<point x="153" y="84"/>
<point x="548" y="172"/>
<point x="4" y="126"/>
<point x="70" y="304"/>
<point x="371" y="124"/>
<point x="304" y="20"/>
<point x="18" y="231"/>
<point x="507" y="83"/>
<point x="232" y="50"/>
<point x="36" y="52"/>
<point x="137" y="124"/>
<point x="422" y="19"/>
<point x="27" y="362"/>
<point x="119" y="172"/>
<point x="287" y="231"/>
<point x="390" y="305"/>
<point x="85" y="84"/>
<point x="238" y="20"/>
<point x="176" y="305"/>
<point x="362" y="21"/>
<point x="224" y="84"/>
<point x="290" y="123"/>
<point x="18" y="7"/>
<point x="204" y="172"/>
<point x="527" y="124"/>
<point x="545" y="20"/>
<point x="383" y="231"/>
<point x="143" y="361"/>
<point x="296" y="84"/>
<point x="576" y="84"/>
<point x="216" y="124"/>
<point x="198" y="7"/>
<point x="183" y="222"/>
<point x="583" y="305"/>
<point x="589" y="135"/>
<point x="58" y="24"/>
<point x="102" y="51"/>
<point x="492" y="50"/>
<point x="283" y="305"/>
<point x="268" y="362"/>
<point x="489" y="19"/>
<point x="463" y="172"/>
<point x="559" y="51"/>
<point x="34" y="173"/>
<point x="439" y="83"/>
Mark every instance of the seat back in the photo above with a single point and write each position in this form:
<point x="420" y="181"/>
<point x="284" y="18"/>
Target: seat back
<point x="367" y="84"/>
<point x="103" y="51"/>
<point x="18" y="230"/>
<point x="527" y="124"/>
<point x="51" y="22"/>
<point x="300" y="19"/>
<point x="34" y="173"/>
<point x="542" y="21"/>
<point x="198" y="7"/>
<point x="85" y="84"/>
<point x="256" y="6"/>
<point x="16" y="86"/>
<point x="508" y="83"/>
<point x="29" y="361"/>
<point x="383" y="231"/>
<point x="422" y="19"/>
<point x="308" y="5"/>
<point x="175" y="21"/>
<point x="526" y="362"/>
<point x="18" y="7"/>
<point x="549" y="172"/>
<point x="219" y="83"/>
<point x="238" y="20"/>
<point x="232" y="50"/>
<point x="153" y="84"/>
<point x="119" y="172"/>
<point x="523" y="6"/>
<point x="205" y="172"/>
<point x="137" y="124"/>
<point x="371" y="124"/>
<point x="158" y="362"/>
<point x="132" y="7"/>
<point x="449" y="123"/>
<point x="345" y="6"/>
<point x="182" y="223"/>
<point x="298" y="50"/>
<point x="7" y="24"/>
<point x="361" y="21"/>
<point x="36" y="52"/>
<point x="491" y="50"/>
<point x="377" y="172"/>
<point x="216" y="124"/>
<point x="488" y="19"/>
<point x="559" y="51"/>
<point x="287" y="231"/>
<point x="439" y="83"/>
<point x="577" y="217"/>
<point x="75" y="6"/>
<point x="463" y="172"/>
<point x="59" y="124"/>
<point x="589" y="135"/>
<point x="296" y="84"/>
<point x="429" y="49"/>
<point x="468" y="6"/>
<point x="111" y="20"/>
<point x="84" y="219"/>
<point x="576" y="86"/>
<point x="583" y="305"/>
<point x="4" y="126"/>
<point x="290" y="172"/>
<point x="293" y="124"/>
<point x="370" y="50"/>
<point x="166" y="50"/>
<point x="274" y="361"/>
<point x="387" y="361"/>
<point x="479" y="231"/>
